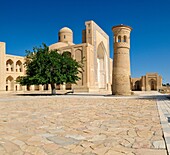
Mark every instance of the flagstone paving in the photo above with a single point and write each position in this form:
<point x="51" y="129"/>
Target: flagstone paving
<point x="80" y="126"/>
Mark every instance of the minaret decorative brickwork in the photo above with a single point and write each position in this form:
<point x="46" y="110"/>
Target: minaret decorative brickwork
<point x="121" y="61"/>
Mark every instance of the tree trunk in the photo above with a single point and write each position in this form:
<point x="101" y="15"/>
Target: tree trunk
<point x="53" y="91"/>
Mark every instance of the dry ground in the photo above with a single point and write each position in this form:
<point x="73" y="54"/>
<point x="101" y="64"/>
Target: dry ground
<point x="79" y="126"/>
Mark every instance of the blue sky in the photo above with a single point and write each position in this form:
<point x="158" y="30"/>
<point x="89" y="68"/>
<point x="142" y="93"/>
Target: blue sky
<point x="27" y="23"/>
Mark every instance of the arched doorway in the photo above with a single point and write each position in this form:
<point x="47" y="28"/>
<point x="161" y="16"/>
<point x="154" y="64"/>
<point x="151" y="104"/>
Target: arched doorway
<point x="137" y="85"/>
<point x="9" y="83"/>
<point x="18" y="87"/>
<point x="153" y="85"/>
<point x="101" y="66"/>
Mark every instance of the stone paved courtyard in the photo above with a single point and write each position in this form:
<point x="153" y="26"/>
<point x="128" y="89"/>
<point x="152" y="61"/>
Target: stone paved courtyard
<point x="79" y="126"/>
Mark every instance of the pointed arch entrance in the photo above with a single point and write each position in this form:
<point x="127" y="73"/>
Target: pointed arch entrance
<point x="101" y="66"/>
<point x="153" y="85"/>
<point x="137" y="86"/>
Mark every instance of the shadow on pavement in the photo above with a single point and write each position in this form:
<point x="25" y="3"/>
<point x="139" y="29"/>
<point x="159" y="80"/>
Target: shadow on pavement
<point x="143" y="96"/>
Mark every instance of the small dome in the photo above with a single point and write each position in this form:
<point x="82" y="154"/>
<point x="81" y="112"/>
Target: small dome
<point x="65" y="30"/>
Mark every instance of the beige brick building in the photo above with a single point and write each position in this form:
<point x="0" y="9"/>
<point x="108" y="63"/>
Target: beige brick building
<point x="11" y="67"/>
<point x="94" y="49"/>
<point x="151" y="81"/>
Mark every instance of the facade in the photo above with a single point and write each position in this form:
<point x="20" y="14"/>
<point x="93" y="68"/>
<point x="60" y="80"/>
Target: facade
<point x="99" y="70"/>
<point x="149" y="82"/>
<point x="11" y="67"/>
<point x="94" y="49"/>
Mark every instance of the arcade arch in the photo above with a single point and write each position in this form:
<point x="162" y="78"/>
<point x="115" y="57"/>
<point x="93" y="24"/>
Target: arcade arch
<point x="9" y="83"/>
<point x="18" y="87"/>
<point x="18" y="66"/>
<point x="9" y="65"/>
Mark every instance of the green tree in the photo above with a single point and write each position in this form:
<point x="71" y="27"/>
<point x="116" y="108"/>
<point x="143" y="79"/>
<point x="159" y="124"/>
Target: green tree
<point x="50" y="67"/>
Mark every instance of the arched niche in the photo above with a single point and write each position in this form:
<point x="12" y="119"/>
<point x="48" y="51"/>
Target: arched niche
<point x="79" y="58"/>
<point x="9" y="83"/>
<point x="67" y="53"/>
<point x="18" y="87"/>
<point x="119" y="39"/>
<point x="18" y="66"/>
<point x="79" y="55"/>
<point x="101" y="65"/>
<point x="124" y="38"/>
<point x="9" y="65"/>
<point x="153" y="84"/>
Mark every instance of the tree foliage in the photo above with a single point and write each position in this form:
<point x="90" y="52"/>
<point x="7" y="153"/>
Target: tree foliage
<point x="50" y="67"/>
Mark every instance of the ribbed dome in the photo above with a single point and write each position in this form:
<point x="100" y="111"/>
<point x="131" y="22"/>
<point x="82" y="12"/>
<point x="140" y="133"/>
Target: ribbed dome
<point x="65" y="30"/>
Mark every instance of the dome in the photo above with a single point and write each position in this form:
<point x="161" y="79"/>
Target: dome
<point x="65" y="35"/>
<point x="65" y="30"/>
